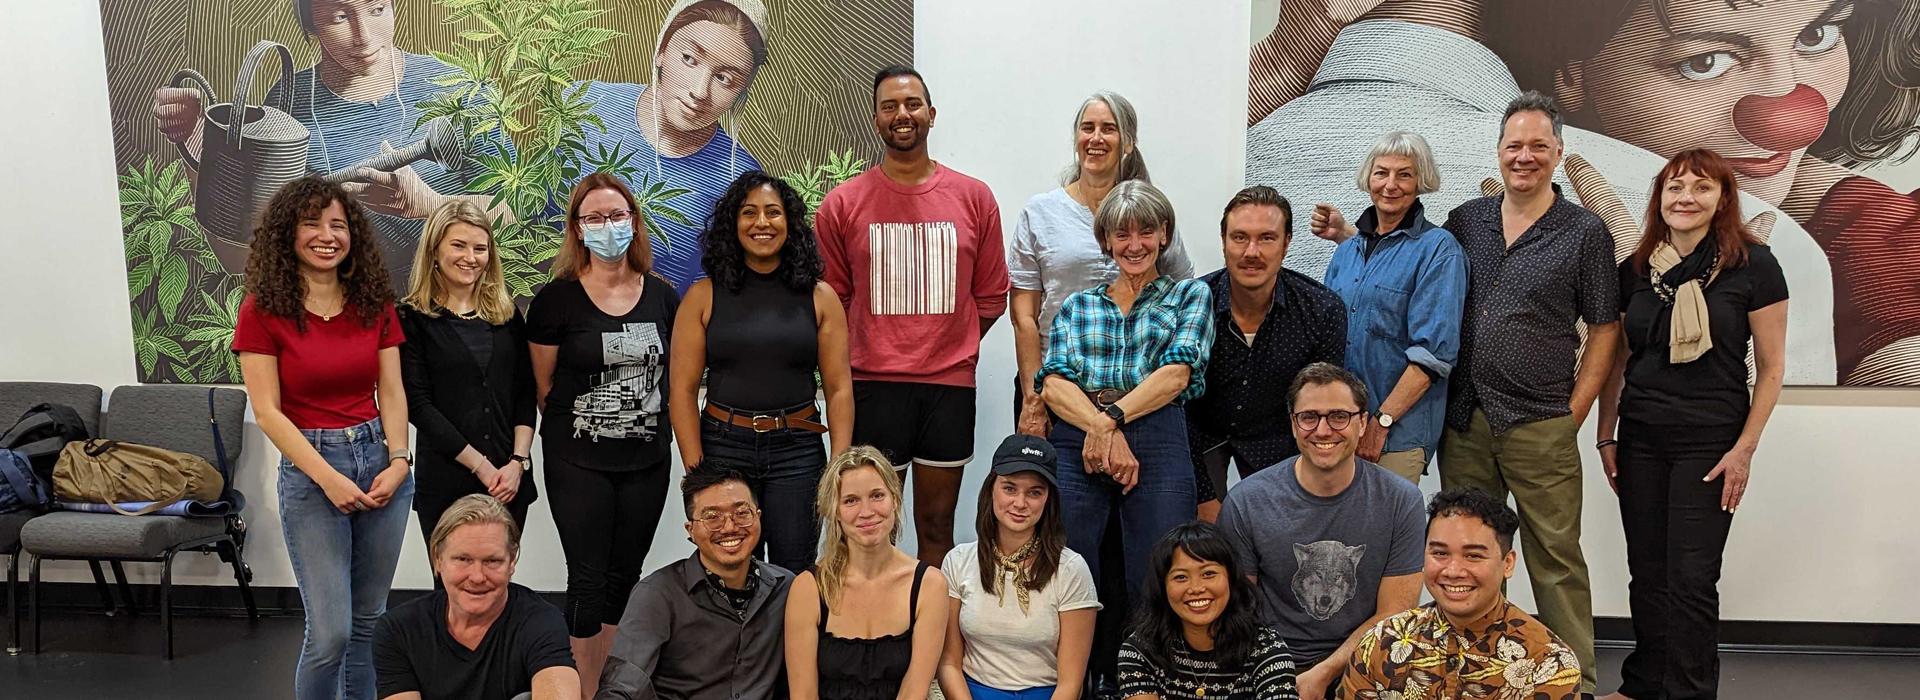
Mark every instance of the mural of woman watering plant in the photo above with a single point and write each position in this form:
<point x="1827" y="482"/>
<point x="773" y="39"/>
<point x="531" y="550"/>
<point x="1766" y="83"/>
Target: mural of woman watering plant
<point x="507" y="102"/>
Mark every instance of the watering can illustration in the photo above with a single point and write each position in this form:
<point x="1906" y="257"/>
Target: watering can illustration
<point x="247" y="153"/>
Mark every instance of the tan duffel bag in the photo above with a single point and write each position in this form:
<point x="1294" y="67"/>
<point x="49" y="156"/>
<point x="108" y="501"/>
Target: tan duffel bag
<point x="113" y="472"/>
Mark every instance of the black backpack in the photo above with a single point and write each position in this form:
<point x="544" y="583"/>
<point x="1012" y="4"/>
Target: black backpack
<point x="28" y="452"/>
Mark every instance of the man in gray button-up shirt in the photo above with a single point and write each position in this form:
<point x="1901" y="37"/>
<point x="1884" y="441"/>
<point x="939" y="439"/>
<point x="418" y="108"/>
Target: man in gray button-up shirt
<point x="709" y="626"/>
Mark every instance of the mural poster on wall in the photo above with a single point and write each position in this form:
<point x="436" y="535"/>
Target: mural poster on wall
<point x="1815" y="102"/>
<point x="508" y="102"/>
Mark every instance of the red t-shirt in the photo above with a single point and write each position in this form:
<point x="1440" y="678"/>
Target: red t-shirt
<point x="917" y="268"/>
<point x="327" y="374"/>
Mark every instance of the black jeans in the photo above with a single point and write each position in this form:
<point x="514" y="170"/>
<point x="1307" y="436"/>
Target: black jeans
<point x="783" y="467"/>
<point x="606" y="521"/>
<point x="1676" y="533"/>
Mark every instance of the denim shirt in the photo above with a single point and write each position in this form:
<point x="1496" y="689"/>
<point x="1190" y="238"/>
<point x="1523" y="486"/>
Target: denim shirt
<point x="1404" y="305"/>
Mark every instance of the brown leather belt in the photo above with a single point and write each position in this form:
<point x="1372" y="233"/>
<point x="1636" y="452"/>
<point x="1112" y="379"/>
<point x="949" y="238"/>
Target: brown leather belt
<point x="1105" y="397"/>
<point x="797" y="419"/>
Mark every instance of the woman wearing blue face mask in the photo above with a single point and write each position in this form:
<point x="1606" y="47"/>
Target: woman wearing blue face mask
<point x="598" y="337"/>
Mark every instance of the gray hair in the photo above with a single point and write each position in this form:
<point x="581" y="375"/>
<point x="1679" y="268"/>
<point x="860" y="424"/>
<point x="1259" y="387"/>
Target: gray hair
<point x="1133" y="203"/>
<point x="1133" y="166"/>
<point x="473" y="509"/>
<point x="1535" y="101"/>
<point x="1405" y="144"/>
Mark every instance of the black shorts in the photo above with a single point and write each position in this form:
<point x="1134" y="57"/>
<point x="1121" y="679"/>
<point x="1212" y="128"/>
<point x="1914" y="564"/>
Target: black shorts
<point x="909" y="422"/>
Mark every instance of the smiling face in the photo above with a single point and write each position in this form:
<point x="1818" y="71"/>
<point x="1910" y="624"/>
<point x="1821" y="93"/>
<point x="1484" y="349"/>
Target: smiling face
<point x="901" y="113"/>
<point x="703" y="70"/>
<point x="866" y="509"/>
<point x="1018" y="501"/>
<point x="1254" y="245"/>
<point x="1465" y="567"/>
<point x="353" y="34"/>
<point x="762" y="224"/>
<point x="729" y="542"/>
<point x="1689" y="201"/>
<point x="462" y="256"/>
<point x="1198" y="590"/>
<point x="475" y="564"/>
<point x="1393" y="184"/>
<point x="1323" y="446"/>
<point x="1097" y="142"/>
<point x="1135" y="248"/>
<point x="1754" y="83"/>
<point x="1529" y="151"/>
<point x="322" y="241"/>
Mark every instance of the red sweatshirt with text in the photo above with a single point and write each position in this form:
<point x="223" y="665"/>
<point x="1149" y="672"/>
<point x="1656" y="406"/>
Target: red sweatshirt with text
<point x="917" y="267"/>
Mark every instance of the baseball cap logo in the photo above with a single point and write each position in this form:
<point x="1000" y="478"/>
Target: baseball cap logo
<point x="1031" y="451"/>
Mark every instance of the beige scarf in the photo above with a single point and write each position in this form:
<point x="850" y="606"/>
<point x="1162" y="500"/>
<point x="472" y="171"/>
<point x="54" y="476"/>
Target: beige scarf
<point x="1689" y="337"/>
<point x="1010" y="572"/>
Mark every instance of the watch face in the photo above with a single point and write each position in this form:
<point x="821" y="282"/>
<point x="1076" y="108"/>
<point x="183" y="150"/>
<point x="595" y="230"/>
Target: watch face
<point x="1386" y="421"/>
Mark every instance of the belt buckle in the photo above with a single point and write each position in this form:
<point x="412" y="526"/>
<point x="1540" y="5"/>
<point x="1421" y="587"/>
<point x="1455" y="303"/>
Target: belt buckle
<point x="1107" y="397"/>
<point x="773" y="423"/>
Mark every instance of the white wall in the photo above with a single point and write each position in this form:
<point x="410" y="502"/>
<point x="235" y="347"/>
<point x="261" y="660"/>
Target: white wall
<point x="1825" y="533"/>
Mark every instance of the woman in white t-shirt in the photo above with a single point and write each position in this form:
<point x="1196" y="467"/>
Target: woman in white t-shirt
<point x="1023" y="604"/>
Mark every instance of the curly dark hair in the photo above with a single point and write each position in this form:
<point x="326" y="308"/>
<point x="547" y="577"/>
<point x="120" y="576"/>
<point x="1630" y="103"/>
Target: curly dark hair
<point x="273" y="267"/>
<point x="1472" y="502"/>
<point x="1156" y="629"/>
<point x="726" y="261"/>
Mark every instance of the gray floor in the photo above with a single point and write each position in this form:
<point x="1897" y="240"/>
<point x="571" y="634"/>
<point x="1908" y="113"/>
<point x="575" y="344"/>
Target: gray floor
<point x="94" y="656"/>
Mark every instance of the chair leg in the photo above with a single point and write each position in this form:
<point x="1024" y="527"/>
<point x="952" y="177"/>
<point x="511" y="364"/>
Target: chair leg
<point x="100" y="584"/>
<point x="166" y="602"/>
<point x="33" y="598"/>
<point x="241" y="575"/>
<point x="126" y="591"/>
<point x="13" y="603"/>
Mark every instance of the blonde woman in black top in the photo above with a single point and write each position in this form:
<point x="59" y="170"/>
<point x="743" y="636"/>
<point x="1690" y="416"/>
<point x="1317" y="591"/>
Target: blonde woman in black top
<point x="868" y="621"/>
<point x="758" y="329"/>
<point x="465" y="365"/>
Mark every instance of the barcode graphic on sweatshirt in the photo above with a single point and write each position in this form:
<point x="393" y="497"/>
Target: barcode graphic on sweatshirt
<point x="913" y="267"/>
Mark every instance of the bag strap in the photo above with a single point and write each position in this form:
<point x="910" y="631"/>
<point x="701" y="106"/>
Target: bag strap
<point x="21" y="484"/>
<point x="28" y="423"/>
<point x="219" y="446"/>
<point x="151" y="507"/>
<point x="99" y="446"/>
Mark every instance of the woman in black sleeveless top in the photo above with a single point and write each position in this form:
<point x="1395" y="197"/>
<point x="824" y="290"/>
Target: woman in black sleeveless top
<point x="854" y="627"/>
<point x="759" y="328"/>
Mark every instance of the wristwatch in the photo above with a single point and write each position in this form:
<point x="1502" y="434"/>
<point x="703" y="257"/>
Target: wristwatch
<point x="402" y="454"/>
<point x="1386" y="420"/>
<point x="1119" y="416"/>
<point x="526" y="463"/>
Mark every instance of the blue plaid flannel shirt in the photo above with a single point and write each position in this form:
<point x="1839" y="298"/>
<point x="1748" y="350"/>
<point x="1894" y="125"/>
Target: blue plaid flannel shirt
<point x="1095" y="346"/>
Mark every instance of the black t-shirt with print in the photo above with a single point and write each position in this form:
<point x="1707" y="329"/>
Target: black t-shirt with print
<point x="607" y="406"/>
<point x="1711" y="390"/>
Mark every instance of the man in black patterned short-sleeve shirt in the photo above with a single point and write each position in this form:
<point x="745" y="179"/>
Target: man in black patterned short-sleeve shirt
<point x="1538" y="265"/>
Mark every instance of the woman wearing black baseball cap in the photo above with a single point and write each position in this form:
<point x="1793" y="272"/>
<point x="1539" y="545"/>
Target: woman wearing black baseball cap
<point x="1022" y="604"/>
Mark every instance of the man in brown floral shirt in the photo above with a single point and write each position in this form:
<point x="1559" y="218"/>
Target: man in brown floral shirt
<point x="1469" y="642"/>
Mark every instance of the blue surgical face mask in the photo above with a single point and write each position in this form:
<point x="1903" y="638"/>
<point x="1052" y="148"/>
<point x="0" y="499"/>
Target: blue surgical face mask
<point x="609" y="241"/>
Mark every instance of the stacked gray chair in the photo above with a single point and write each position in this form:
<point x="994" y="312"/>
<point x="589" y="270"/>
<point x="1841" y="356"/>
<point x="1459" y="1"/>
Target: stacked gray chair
<point x="177" y="418"/>
<point x="15" y="399"/>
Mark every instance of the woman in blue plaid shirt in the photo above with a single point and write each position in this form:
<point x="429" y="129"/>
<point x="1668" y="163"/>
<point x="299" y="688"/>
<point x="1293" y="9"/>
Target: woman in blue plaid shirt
<point x="1121" y="360"/>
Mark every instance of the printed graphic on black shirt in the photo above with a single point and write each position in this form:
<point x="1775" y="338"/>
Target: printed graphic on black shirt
<point x="1329" y="571"/>
<point x="624" y="400"/>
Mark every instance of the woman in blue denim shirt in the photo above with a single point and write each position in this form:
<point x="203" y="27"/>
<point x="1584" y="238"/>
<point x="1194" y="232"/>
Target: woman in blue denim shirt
<point x="1405" y="283"/>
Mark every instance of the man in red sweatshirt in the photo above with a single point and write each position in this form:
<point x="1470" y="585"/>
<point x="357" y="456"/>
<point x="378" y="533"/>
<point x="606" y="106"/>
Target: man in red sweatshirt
<point x="913" y="248"/>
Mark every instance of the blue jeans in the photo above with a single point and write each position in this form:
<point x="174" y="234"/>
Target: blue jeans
<point x="343" y="563"/>
<point x="981" y="692"/>
<point x="784" y="470"/>
<point x="1162" y="499"/>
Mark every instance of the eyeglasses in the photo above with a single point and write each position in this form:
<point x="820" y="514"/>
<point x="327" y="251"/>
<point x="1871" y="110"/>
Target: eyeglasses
<point x="597" y="220"/>
<point x="743" y="517"/>
<point x="1309" y="420"/>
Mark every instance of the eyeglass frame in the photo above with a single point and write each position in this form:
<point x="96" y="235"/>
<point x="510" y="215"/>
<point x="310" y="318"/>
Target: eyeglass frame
<point x="711" y="521"/>
<point x="1323" y="416"/>
<point x="615" y="217"/>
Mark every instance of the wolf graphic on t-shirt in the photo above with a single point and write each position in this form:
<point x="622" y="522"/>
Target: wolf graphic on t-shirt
<point x="913" y="267"/>
<point x="1327" y="574"/>
<point x="625" y="400"/>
